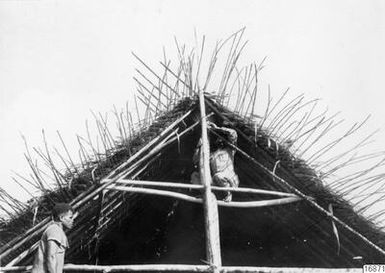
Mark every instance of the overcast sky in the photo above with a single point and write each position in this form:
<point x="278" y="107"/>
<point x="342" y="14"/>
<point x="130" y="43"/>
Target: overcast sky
<point x="61" y="59"/>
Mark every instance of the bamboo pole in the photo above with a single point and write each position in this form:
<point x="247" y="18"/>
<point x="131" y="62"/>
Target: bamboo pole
<point x="318" y="207"/>
<point x="199" y="187"/>
<point x="299" y="193"/>
<point x="15" y="243"/>
<point x="78" y="204"/>
<point x="160" y="79"/>
<point x="307" y="198"/>
<point x="185" y="197"/>
<point x="213" y="108"/>
<point x="155" y="150"/>
<point x="172" y="194"/>
<point x="259" y="204"/>
<point x="250" y="269"/>
<point x="98" y="222"/>
<point x="213" y="248"/>
<point x="149" y="145"/>
<point x="81" y="202"/>
<point x="90" y="195"/>
<point x="87" y="197"/>
<point x="188" y="268"/>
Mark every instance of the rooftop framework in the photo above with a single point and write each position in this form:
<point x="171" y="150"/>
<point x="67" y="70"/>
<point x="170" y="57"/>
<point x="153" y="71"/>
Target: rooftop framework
<point x="161" y="93"/>
<point x="209" y="202"/>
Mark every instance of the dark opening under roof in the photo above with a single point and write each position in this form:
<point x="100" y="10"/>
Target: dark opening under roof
<point x="133" y="228"/>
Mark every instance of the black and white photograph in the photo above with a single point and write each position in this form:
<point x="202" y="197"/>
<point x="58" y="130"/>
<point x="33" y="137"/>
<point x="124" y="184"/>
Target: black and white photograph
<point x="192" y="136"/>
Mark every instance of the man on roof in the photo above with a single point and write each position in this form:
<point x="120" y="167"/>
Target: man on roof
<point x="221" y="159"/>
<point x="49" y="257"/>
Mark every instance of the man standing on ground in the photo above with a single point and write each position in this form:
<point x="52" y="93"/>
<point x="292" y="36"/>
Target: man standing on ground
<point x="49" y="257"/>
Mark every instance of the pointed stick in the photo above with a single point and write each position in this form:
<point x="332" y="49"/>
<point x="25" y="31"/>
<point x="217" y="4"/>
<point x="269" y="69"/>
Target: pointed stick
<point x="28" y="181"/>
<point x="235" y="54"/>
<point x="28" y="157"/>
<point x="285" y="109"/>
<point x="107" y="132"/>
<point x="290" y="113"/>
<point x="352" y="160"/>
<point x="152" y="84"/>
<point x="227" y="64"/>
<point x="137" y="110"/>
<point x="332" y="144"/>
<point x="24" y="188"/>
<point x="10" y="214"/>
<point x="38" y="181"/>
<point x="122" y="128"/>
<point x="51" y="167"/>
<point x="50" y="162"/>
<point x="306" y="198"/>
<point x="145" y="65"/>
<point x="102" y="134"/>
<point x="146" y="102"/>
<point x="241" y="87"/>
<point x="83" y="151"/>
<point x="267" y="110"/>
<point x="254" y="93"/>
<point x="247" y="83"/>
<point x="96" y="154"/>
<point x="312" y="130"/>
<point x="69" y="171"/>
<point x="66" y="150"/>
<point x="304" y="122"/>
<point x="200" y="56"/>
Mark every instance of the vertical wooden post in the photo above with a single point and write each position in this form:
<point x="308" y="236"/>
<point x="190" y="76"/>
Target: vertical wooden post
<point x="213" y="248"/>
<point x="98" y="223"/>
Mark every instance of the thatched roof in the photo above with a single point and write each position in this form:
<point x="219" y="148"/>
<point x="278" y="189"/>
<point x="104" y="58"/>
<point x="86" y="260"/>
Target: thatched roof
<point x="128" y="228"/>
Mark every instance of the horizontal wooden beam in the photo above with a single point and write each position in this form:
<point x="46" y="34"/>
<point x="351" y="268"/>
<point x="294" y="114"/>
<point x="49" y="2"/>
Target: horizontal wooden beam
<point x="172" y="194"/>
<point x="259" y="204"/>
<point x="82" y="198"/>
<point x="250" y="269"/>
<point x="189" y="268"/>
<point x="147" y="183"/>
<point x="185" y="197"/>
<point x="308" y="199"/>
<point x="304" y="197"/>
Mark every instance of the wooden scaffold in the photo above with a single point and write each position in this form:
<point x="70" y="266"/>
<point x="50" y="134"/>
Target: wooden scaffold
<point x="124" y="178"/>
<point x="115" y="181"/>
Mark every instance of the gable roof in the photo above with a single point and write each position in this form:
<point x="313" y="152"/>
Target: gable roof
<point x="295" y="234"/>
<point x="284" y="234"/>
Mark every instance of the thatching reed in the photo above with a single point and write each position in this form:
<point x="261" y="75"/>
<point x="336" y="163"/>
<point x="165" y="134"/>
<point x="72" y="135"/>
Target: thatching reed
<point x="284" y="135"/>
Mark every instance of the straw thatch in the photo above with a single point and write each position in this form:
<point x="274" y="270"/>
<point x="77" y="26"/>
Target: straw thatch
<point x="124" y="228"/>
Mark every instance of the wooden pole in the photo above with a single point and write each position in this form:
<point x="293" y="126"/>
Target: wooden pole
<point x="164" y="184"/>
<point x="185" y="197"/>
<point x="17" y="242"/>
<point x="188" y="268"/>
<point x="149" y="145"/>
<point x="86" y="197"/>
<point x="250" y="269"/>
<point x="210" y="208"/>
<point x="294" y="189"/>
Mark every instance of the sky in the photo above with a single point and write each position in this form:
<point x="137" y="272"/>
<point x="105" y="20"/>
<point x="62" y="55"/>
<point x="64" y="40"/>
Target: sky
<point x="61" y="59"/>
